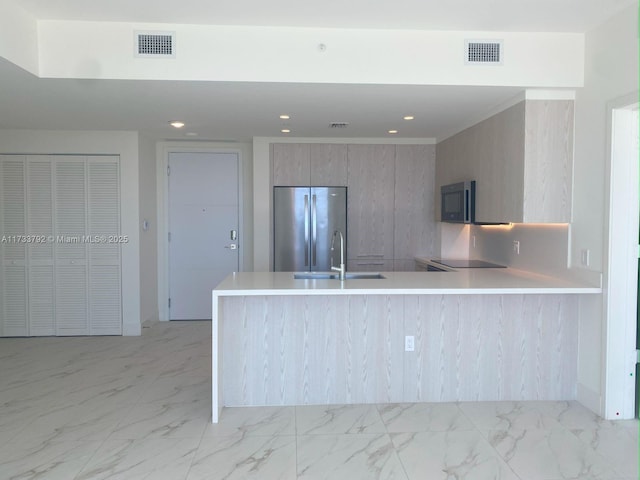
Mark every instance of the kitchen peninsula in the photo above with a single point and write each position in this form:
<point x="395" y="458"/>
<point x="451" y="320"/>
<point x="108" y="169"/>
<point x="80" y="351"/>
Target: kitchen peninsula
<point x="476" y="334"/>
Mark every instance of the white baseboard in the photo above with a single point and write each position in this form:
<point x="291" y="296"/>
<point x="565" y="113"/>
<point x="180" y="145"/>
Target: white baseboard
<point x="590" y="399"/>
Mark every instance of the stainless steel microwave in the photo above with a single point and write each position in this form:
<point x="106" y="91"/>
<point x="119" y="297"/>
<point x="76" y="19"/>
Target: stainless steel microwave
<point x="458" y="202"/>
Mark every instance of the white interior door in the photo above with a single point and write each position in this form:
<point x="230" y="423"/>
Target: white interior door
<point x="203" y="214"/>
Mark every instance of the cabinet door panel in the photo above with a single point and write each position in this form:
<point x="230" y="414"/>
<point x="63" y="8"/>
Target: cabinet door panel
<point x="414" y="217"/>
<point x="328" y="165"/>
<point x="371" y="177"/>
<point x="290" y="165"/>
<point x="548" y="161"/>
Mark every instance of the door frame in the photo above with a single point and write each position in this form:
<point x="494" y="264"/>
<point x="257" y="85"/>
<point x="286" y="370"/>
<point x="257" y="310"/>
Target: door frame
<point x="164" y="150"/>
<point x="620" y="276"/>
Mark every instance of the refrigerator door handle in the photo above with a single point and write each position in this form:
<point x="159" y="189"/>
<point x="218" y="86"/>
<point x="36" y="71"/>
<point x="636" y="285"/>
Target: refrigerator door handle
<point x="306" y="230"/>
<point x="314" y="231"/>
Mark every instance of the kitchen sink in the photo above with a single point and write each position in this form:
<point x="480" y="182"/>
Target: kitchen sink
<point x="335" y="276"/>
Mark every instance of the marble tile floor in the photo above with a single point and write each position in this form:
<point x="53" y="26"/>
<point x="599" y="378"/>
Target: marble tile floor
<point x="139" y="408"/>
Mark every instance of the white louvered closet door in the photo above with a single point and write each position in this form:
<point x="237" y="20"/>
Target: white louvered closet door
<point x="105" y="306"/>
<point x="70" y="225"/>
<point x="13" y="277"/>
<point x="60" y="260"/>
<point x="40" y="272"/>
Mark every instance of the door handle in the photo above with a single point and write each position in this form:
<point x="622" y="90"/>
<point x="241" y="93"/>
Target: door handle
<point x="306" y="230"/>
<point x="233" y="235"/>
<point x="314" y="233"/>
<point x="233" y="246"/>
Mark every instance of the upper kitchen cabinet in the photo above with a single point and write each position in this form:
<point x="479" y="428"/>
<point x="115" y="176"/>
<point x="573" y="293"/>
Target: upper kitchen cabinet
<point x="290" y="164"/>
<point x="304" y="164"/>
<point x="370" y="207"/>
<point x="328" y="165"/>
<point x="548" y="163"/>
<point x="521" y="159"/>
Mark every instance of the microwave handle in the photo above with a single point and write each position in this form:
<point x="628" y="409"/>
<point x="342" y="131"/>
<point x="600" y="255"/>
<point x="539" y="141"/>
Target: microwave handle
<point x="466" y="206"/>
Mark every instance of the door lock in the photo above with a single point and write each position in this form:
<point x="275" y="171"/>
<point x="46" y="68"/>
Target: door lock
<point x="233" y="246"/>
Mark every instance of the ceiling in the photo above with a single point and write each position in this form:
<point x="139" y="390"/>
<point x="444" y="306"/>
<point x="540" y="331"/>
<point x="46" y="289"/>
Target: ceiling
<point x="239" y="111"/>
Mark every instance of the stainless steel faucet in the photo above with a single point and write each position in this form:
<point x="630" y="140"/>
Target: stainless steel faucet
<point x="341" y="268"/>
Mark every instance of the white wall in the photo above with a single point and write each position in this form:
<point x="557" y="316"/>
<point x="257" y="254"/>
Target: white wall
<point x="124" y="144"/>
<point x="611" y="71"/>
<point x="148" y="238"/>
<point x="290" y="54"/>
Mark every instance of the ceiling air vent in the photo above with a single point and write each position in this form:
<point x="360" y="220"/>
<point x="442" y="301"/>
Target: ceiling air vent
<point x="338" y="125"/>
<point x="155" y="44"/>
<point x="487" y="52"/>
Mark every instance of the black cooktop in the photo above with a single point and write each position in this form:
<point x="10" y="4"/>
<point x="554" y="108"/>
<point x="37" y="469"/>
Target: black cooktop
<point x="468" y="263"/>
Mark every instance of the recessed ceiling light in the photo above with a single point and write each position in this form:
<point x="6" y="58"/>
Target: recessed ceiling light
<point x="176" y="124"/>
<point x="409" y="117"/>
<point x="284" y="116"/>
<point x="393" y="131"/>
<point x="285" y="130"/>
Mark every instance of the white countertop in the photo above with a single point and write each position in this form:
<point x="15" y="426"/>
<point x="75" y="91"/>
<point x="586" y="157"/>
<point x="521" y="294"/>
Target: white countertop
<point x="468" y="281"/>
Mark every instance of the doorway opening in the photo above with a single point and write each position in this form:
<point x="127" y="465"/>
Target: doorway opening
<point x="621" y="275"/>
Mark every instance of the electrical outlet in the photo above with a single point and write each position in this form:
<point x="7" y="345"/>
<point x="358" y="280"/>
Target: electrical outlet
<point x="585" y="255"/>
<point x="409" y="343"/>
<point x="516" y="247"/>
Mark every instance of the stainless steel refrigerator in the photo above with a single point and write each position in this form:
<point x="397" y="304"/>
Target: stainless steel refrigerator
<point x="305" y="220"/>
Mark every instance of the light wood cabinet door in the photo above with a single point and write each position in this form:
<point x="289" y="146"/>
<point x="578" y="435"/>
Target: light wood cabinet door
<point x="548" y="163"/>
<point x="371" y="185"/>
<point x="290" y="165"/>
<point x="328" y="165"/>
<point x="414" y="210"/>
<point x="495" y="151"/>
